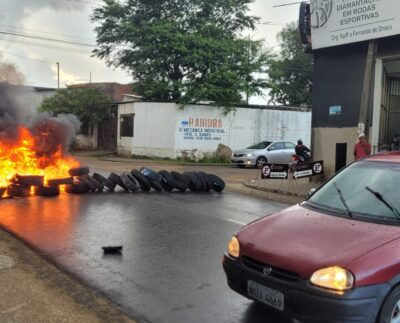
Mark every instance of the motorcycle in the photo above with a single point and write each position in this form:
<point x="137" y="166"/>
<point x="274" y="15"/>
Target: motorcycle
<point x="298" y="159"/>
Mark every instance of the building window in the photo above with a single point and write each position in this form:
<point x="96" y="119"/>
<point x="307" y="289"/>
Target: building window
<point x="127" y="125"/>
<point x="86" y="129"/>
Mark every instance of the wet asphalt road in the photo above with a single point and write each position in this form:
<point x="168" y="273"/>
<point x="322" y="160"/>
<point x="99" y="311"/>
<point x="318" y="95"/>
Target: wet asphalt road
<point x="170" y="270"/>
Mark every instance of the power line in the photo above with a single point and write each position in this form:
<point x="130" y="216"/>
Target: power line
<point x="287" y="4"/>
<point x="55" y="40"/>
<point x="19" y="29"/>
<point x="25" y="57"/>
<point x="60" y="48"/>
<point x="269" y="23"/>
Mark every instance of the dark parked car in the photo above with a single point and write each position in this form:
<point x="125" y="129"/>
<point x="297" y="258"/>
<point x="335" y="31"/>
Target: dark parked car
<point x="334" y="257"/>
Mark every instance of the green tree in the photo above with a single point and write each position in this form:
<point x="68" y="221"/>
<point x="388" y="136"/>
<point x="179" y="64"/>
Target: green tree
<point x="90" y="105"/>
<point x="290" y="72"/>
<point x="182" y="51"/>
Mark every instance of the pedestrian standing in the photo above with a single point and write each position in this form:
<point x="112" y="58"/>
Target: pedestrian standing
<point x="362" y="149"/>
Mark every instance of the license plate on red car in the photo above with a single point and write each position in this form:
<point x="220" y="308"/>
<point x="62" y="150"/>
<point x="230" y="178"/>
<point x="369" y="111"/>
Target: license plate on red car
<point x="266" y="295"/>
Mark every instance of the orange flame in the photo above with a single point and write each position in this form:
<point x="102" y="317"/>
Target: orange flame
<point x="21" y="157"/>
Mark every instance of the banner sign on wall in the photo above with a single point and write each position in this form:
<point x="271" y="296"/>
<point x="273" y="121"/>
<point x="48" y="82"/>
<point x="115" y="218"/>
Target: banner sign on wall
<point x="202" y="129"/>
<point x="338" y="22"/>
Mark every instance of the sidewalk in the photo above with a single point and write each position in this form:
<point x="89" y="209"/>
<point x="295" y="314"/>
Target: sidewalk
<point x="32" y="290"/>
<point x="296" y="188"/>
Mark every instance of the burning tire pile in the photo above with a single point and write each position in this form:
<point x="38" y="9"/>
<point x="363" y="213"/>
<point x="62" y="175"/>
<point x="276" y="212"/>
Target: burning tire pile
<point x="145" y="179"/>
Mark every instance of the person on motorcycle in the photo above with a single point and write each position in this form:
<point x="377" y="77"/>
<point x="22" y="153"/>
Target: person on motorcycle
<point x="302" y="151"/>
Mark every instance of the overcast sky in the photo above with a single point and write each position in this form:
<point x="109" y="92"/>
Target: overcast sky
<point x="69" y="20"/>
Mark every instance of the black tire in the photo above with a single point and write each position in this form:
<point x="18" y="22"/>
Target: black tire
<point x="117" y="180"/>
<point x="260" y="162"/>
<point x="18" y="191"/>
<point x="134" y="180"/>
<point x="218" y="185"/>
<point x="181" y="177"/>
<point x="156" y="185"/>
<point x="100" y="178"/>
<point x="47" y="191"/>
<point x="60" y="181"/>
<point x="167" y="185"/>
<point x="131" y="185"/>
<point x="196" y="184"/>
<point x="88" y="183"/>
<point x="206" y="181"/>
<point x="389" y="306"/>
<point x="151" y="174"/>
<point x="179" y="185"/>
<point x="80" y="171"/>
<point x="77" y="188"/>
<point x="29" y="180"/>
<point x="144" y="183"/>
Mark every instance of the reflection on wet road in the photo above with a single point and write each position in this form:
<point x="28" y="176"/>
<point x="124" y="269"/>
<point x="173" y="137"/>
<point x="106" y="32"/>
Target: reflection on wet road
<point x="170" y="270"/>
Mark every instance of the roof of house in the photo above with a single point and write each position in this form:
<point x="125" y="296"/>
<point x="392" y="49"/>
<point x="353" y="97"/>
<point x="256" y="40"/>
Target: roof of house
<point x="115" y="90"/>
<point x="29" y="87"/>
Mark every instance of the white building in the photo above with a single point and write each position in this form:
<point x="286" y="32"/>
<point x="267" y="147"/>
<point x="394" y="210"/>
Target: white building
<point x="166" y="130"/>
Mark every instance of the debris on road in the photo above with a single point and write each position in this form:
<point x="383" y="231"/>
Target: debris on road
<point x="112" y="249"/>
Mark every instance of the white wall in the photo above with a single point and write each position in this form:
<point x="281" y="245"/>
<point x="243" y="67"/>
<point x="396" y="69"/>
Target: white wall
<point x="88" y="141"/>
<point x="165" y="130"/>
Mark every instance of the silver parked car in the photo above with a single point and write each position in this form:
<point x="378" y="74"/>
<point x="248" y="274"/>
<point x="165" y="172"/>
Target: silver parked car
<point x="279" y="152"/>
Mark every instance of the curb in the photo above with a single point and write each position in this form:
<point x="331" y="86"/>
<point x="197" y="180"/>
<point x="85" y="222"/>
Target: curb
<point x="273" y="190"/>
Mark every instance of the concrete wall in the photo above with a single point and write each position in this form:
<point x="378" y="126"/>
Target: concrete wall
<point x="153" y="131"/>
<point x="324" y="148"/>
<point x="87" y="142"/>
<point x="166" y="130"/>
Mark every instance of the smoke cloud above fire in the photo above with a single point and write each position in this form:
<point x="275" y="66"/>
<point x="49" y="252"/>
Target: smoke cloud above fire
<point x="10" y="73"/>
<point x="50" y="132"/>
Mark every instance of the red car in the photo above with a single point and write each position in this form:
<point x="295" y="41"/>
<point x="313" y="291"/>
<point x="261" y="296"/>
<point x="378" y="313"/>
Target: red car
<point x="334" y="257"/>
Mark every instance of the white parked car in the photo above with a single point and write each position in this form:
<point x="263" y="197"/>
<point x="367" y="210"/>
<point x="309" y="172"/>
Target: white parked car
<point x="278" y="152"/>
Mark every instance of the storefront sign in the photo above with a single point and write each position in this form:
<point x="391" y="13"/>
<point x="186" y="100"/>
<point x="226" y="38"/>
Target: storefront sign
<point x="361" y="128"/>
<point x="275" y="171"/>
<point x="335" y="110"/>
<point x="338" y="22"/>
<point x="308" y="169"/>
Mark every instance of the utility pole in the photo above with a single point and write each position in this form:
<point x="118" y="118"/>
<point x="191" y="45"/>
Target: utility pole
<point x="90" y="78"/>
<point x="58" y="75"/>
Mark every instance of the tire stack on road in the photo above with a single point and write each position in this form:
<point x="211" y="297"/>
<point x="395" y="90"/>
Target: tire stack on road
<point x="23" y="185"/>
<point x="82" y="182"/>
<point x="147" y="180"/>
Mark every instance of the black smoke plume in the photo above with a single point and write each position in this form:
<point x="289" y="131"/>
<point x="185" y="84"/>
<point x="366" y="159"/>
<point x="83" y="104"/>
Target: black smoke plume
<point x="50" y="132"/>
